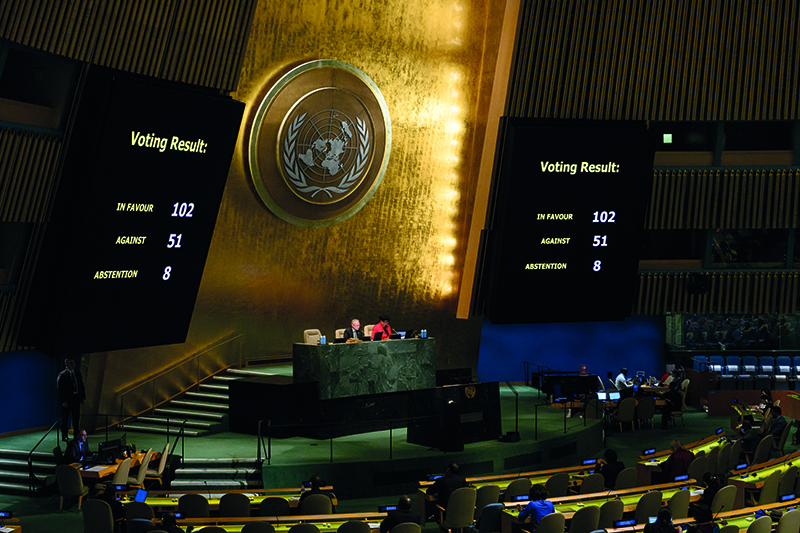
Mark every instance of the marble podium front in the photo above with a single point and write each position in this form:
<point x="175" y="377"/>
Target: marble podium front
<point x="362" y="368"/>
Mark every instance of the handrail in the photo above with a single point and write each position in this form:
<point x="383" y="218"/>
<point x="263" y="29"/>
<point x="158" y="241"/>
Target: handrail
<point x="32" y="479"/>
<point x="192" y="360"/>
<point x="329" y="425"/>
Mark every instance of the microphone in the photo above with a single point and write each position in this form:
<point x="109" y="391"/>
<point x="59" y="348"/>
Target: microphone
<point x="208" y="489"/>
<point x="724" y="522"/>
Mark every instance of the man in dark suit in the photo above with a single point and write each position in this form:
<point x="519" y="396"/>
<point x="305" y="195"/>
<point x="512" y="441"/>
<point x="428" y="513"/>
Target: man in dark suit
<point x="78" y="448"/>
<point x="72" y="395"/>
<point x="444" y="486"/>
<point x="402" y="515"/>
<point x="316" y="483"/>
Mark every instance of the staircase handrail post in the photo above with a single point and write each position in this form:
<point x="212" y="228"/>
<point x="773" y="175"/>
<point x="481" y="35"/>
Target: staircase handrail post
<point x="31" y="475"/>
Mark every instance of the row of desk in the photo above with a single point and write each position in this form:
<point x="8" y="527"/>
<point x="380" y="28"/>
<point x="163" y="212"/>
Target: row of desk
<point x="164" y="501"/>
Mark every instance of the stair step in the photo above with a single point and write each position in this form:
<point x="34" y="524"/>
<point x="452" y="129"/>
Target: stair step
<point x="213" y="484"/>
<point x="220" y="387"/>
<point x="18" y="465"/>
<point x="175" y="424"/>
<point x="207" y="396"/>
<point x="9" y="488"/>
<point x="209" y="473"/>
<point x="187" y="413"/>
<point x="23" y="455"/>
<point x="247" y="373"/>
<point x="200" y="405"/>
<point x="161" y="430"/>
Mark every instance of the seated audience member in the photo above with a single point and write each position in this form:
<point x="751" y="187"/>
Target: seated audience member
<point x="78" y="448"/>
<point x="677" y="464"/>
<point x="610" y="467"/>
<point x="750" y="438"/>
<point x="402" y="515"/>
<point x="354" y="331"/>
<point x="663" y="523"/>
<point x="711" y="485"/>
<point x="444" y="486"/>
<point x="538" y="507"/>
<point x="704" y="521"/>
<point x="382" y="327"/>
<point x="778" y="424"/>
<point x="672" y="399"/>
<point x="623" y="384"/>
<point x="316" y="483"/>
<point x="170" y="524"/>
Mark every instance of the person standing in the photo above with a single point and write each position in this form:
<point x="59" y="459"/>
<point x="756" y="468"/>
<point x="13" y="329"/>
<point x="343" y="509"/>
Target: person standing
<point x="72" y="395"/>
<point x="354" y="331"/>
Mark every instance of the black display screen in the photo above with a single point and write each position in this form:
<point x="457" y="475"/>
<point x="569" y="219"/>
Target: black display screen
<point x="568" y="210"/>
<point x="124" y="251"/>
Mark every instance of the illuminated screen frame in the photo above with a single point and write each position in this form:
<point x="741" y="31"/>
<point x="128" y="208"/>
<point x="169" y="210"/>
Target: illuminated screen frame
<point x="140" y="189"/>
<point x="566" y="220"/>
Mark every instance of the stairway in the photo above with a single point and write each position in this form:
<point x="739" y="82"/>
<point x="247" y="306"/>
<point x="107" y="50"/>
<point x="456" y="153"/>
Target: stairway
<point x="216" y="475"/>
<point x="205" y="411"/>
<point x="14" y="470"/>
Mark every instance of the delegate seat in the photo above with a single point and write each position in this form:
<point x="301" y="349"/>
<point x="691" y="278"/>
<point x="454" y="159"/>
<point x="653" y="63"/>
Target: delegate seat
<point x="407" y="527"/>
<point x="645" y="410"/>
<point x="769" y="490"/>
<point x="316" y="504"/>
<point x="610" y="512"/>
<point x="592" y="483"/>
<point x="70" y="484"/>
<point x="97" y="516"/>
<point x="518" y="487"/>
<point x="648" y="506"/>
<point x="725" y="498"/>
<point x="789" y="522"/>
<point x="551" y="523"/>
<point x="625" y="413"/>
<point x="486" y="495"/>
<point x="585" y="520"/>
<point x="312" y="336"/>
<point x="626" y="479"/>
<point x="460" y="510"/>
<point x="274" y="506"/>
<point x="158" y="473"/>
<point x="763" y="449"/>
<point x="679" y="504"/>
<point x="489" y="520"/>
<point x="138" y="481"/>
<point x="234" y="504"/>
<point x="783" y="372"/>
<point x="258" y="527"/>
<point x="679" y="413"/>
<point x="557" y="485"/>
<point x="788" y="480"/>
<point x="354" y="526"/>
<point x="193" y="506"/>
<point x="303" y="528"/>
<point x="760" y="525"/>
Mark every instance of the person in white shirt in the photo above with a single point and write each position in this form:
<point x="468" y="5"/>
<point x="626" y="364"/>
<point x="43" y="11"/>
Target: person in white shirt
<point x="623" y="384"/>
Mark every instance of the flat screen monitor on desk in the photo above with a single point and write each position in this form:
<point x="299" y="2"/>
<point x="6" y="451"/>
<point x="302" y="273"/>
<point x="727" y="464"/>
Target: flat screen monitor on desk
<point x="602" y="396"/>
<point x="614" y="396"/>
<point x="110" y="450"/>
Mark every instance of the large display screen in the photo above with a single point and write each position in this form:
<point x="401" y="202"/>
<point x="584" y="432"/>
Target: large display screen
<point x="124" y="251"/>
<point x="568" y="210"/>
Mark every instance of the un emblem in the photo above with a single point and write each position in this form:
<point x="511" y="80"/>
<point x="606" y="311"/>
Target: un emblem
<point x="319" y="144"/>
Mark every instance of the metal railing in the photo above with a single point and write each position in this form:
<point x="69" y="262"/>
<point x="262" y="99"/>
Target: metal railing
<point x="32" y="479"/>
<point x="179" y="378"/>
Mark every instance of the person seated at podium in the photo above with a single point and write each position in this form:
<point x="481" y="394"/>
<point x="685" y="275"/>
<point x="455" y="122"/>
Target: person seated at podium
<point x="382" y="327"/>
<point x="623" y="384"/>
<point x="677" y="464"/>
<point x="354" y="331"/>
<point x="316" y="483"/>
<point x="78" y="448"/>
<point x="402" y="515"/>
<point x="444" y="486"/>
<point x="610" y="467"/>
<point x="538" y="508"/>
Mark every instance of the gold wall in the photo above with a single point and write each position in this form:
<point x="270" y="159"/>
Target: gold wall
<point x="402" y="254"/>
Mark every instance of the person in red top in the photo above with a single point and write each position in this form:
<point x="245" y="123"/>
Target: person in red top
<point x="678" y="463"/>
<point x="382" y="327"/>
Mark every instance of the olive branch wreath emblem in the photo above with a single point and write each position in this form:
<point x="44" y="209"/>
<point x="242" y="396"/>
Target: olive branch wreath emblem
<point x="298" y="179"/>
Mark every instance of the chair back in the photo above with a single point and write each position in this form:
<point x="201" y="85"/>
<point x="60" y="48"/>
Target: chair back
<point x="214" y="529"/>
<point x="789" y="522"/>
<point x="626" y="410"/>
<point x="594" y="409"/>
<point x="518" y="487"/>
<point x="312" y="336"/>
<point x="626" y="479"/>
<point x="162" y="463"/>
<point x="273" y="506"/>
<point x="646" y="409"/>
<point x="730" y="528"/>
<point x="138" y="525"/>
<point x="193" y="506"/>
<point x="339" y="334"/>
<point x="712" y="458"/>
<point x="679" y="504"/>
<point x="723" y="459"/>
<point x="557" y="485"/>
<point x="304" y="528"/>
<point x="788" y="480"/>
<point x="551" y="523"/>
<point x="610" y="512"/>
<point x="368" y="330"/>
<point x="234" y="504"/>
<point x="353" y="526"/>
<point x="781" y="444"/>
<point x="685" y="385"/>
<point x="143" y="468"/>
<point x="123" y="470"/>
<point x="648" y="506"/>
<point x="762" y="450"/>
<point x="487" y="494"/>
<point x="258" y="527"/>
<point x="736" y="452"/>
<point x="407" y="527"/>
<point x="97" y="516"/>
<point x="138" y="510"/>
<point x="592" y="483"/>
<point x="724" y="499"/>
<point x="697" y="468"/>
<point x="760" y="525"/>
<point x="461" y="508"/>
<point x="316" y="504"/>
<point x="69" y="481"/>
<point x="490" y="520"/>
<point x="769" y="490"/>
<point x="585" y="519"/>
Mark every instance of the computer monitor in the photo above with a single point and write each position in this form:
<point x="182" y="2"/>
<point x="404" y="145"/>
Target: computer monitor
<point x="141" y="495"/>
<point x="110" y="450"/>
<point x="614" y="396"/>
<point x="602" y="396"/>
